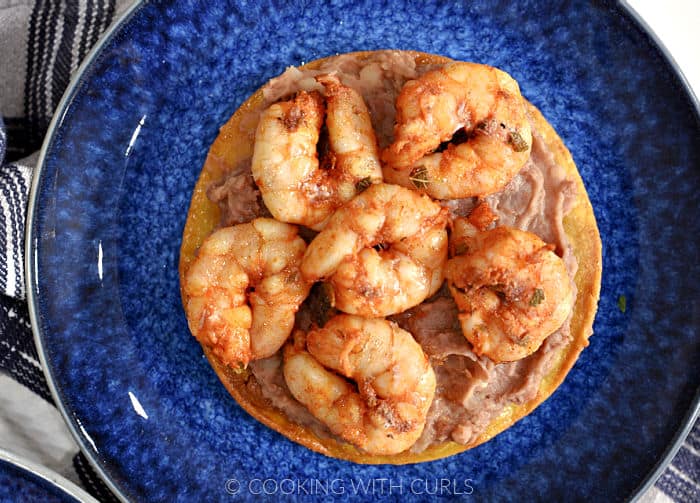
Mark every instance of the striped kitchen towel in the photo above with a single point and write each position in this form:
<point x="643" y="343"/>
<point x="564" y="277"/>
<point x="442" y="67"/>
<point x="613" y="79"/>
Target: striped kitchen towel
<point x="14" y="186"/>
<point x="15" y="179"/>
<point x="41" y="45"/>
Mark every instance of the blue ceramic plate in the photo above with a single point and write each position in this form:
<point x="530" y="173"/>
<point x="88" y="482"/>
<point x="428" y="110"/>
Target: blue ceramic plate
<point x="23" y="480"/>
<point x="112" y="193"/>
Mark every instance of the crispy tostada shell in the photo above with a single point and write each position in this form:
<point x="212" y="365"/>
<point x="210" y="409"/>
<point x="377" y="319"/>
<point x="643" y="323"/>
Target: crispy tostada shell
<point x="234" y="144"/>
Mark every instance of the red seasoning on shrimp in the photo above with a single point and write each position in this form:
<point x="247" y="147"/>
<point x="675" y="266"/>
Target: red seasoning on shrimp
<point x="385" y="411"/>
<point x="244" y="289"/>
<point x="298" y="187"/>
<point x="481" y="103"/>
<point x="382" y="253"/>
<point x="511" y="289"/>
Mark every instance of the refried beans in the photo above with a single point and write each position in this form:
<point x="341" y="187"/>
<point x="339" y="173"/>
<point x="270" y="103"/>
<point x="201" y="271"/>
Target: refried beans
<point x="471" y="390"/>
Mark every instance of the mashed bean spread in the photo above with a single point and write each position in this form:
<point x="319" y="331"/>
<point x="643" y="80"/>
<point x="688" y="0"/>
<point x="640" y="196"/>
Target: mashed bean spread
<point x="471" y="390"/>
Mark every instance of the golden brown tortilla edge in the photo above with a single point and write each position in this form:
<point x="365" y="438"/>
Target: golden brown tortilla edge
<point x="232" y="146"/>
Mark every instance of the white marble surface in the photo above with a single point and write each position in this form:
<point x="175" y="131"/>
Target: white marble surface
<point x="34" y="429"/>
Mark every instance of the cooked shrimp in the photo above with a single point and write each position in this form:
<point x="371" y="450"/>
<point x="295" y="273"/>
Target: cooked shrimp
<point x="409" y="230"/>
<point x="385" y="412"/>
<point x="244" y="288"/>
<point x="352" y="140"/>
<point x="511" y="289"/>
<point x="285" y="166"/>
<point x="483" y="103"/>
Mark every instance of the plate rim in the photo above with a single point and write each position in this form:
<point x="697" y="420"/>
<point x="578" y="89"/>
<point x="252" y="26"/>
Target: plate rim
<point x="30" y="260"/>
<point x="30" y="251"/>
<point x="693" y="413"/>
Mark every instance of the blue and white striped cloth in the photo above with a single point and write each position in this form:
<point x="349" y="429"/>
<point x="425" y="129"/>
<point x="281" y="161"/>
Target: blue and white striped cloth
<point x="681" y="480"/>
<point x="15" y="179"/>
<point x="42" y="42"/>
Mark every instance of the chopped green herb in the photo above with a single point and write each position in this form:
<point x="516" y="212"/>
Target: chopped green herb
<point x="517" y="141"/>
<point x="419" y="177"/>
<point x="537" y="297"/>
<point x="622" y="303"/>
<point x="363" y="184"/>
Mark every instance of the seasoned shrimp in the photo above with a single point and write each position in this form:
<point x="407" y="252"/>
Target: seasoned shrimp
<point x="285" y="166"/>
<point x="353" y="144"/>
<point x="484" y="106"/>
<point x="385" y="412"/>
<point x="409" y="230"/>
<point x="244" y="288"/>
<point x="511" y="289"/>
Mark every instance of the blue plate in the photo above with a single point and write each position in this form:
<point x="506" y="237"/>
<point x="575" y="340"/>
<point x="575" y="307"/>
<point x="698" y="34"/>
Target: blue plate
<point x="23" y="480"/>
<point x="110" y="199"/>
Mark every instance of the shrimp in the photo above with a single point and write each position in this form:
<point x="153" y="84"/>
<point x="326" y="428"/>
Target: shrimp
<point x="409" y="230"/>
<point x="295" y="187"/>
<point x="478" y="104"/>
<point x="386" y="412"/>
<point x="244" y="288"/>
<point x="511" y="289"/>
<point x="352" y="139"/>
